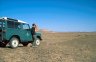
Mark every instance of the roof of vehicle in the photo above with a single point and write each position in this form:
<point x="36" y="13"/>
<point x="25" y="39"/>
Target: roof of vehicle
<point x="6" y="18"/>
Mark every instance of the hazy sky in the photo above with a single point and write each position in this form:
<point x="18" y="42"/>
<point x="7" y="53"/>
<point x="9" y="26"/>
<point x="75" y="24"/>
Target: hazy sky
<point x="54" y="15"/>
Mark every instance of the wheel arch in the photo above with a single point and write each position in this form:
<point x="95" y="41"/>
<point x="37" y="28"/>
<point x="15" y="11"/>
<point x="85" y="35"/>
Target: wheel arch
<point x="39" y="37"/>
<point x="16" y="37"/>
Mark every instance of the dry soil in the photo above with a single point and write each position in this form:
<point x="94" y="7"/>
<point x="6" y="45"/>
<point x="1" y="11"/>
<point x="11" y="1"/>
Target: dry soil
<point x="55" y="47"/>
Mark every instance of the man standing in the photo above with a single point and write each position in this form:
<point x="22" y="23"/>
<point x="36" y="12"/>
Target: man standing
<point x="33" y="35"/>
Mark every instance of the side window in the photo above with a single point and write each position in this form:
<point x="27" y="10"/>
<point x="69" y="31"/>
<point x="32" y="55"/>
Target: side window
<point x="10" y="24"/>
<point x="17" y="25"/>
<point x="2" y="24"/>
<point x="25" y="26"/>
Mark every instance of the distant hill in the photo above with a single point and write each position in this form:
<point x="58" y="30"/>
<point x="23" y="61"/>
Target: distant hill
<point x="46" y="30"/>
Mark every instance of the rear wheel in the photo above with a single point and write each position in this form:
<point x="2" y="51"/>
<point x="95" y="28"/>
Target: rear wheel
<point x="14" y="42"/>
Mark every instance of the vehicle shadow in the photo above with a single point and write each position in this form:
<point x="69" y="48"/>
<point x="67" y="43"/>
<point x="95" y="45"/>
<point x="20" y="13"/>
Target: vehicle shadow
<point x="13" y="48"/>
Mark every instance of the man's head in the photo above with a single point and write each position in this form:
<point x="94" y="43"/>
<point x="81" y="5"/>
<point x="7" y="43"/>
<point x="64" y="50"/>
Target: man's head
<point x="34" y="25"/>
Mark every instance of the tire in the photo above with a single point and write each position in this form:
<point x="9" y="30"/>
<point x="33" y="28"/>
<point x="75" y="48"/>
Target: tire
<point x="14" y="42"/>
<point x="37" y="42"/>
<point x="25" y="44"/>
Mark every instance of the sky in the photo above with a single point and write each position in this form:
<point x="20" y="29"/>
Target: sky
<point x="53" y="15"/>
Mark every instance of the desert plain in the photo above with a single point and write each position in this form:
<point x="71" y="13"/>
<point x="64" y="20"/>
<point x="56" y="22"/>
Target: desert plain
<point x="55" y="47"/>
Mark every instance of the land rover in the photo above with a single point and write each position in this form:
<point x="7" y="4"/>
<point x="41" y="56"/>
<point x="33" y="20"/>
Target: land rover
<point x="14" y="32"/>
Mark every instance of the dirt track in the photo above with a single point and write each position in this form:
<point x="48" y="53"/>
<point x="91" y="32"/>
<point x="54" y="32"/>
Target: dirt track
<point x="55" y="47"/>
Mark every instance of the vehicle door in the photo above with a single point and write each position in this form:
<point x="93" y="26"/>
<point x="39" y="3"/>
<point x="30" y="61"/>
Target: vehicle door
<point x="26" y="32"/>
<point x="10" y="29"/>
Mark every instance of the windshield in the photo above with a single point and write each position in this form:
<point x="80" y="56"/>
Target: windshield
<point x="26" y="26"/>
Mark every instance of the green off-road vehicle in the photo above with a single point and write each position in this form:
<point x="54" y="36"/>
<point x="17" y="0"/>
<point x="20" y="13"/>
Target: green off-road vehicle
<point x="14" y="32"/>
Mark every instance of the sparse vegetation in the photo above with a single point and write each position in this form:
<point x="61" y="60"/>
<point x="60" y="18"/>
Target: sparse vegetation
<point x="55" y="47"/>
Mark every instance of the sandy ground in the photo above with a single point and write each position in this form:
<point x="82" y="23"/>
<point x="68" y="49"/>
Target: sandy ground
<point x="55" y="47"/>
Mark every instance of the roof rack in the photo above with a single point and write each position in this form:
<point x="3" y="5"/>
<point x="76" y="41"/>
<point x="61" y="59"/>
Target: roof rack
<point x="6" y="18"/>
<point x="11" y="19"/>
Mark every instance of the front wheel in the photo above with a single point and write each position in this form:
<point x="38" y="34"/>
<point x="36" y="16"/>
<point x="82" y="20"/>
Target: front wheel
<point x="36" y="42"/>
<point x="14" y="42"/>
